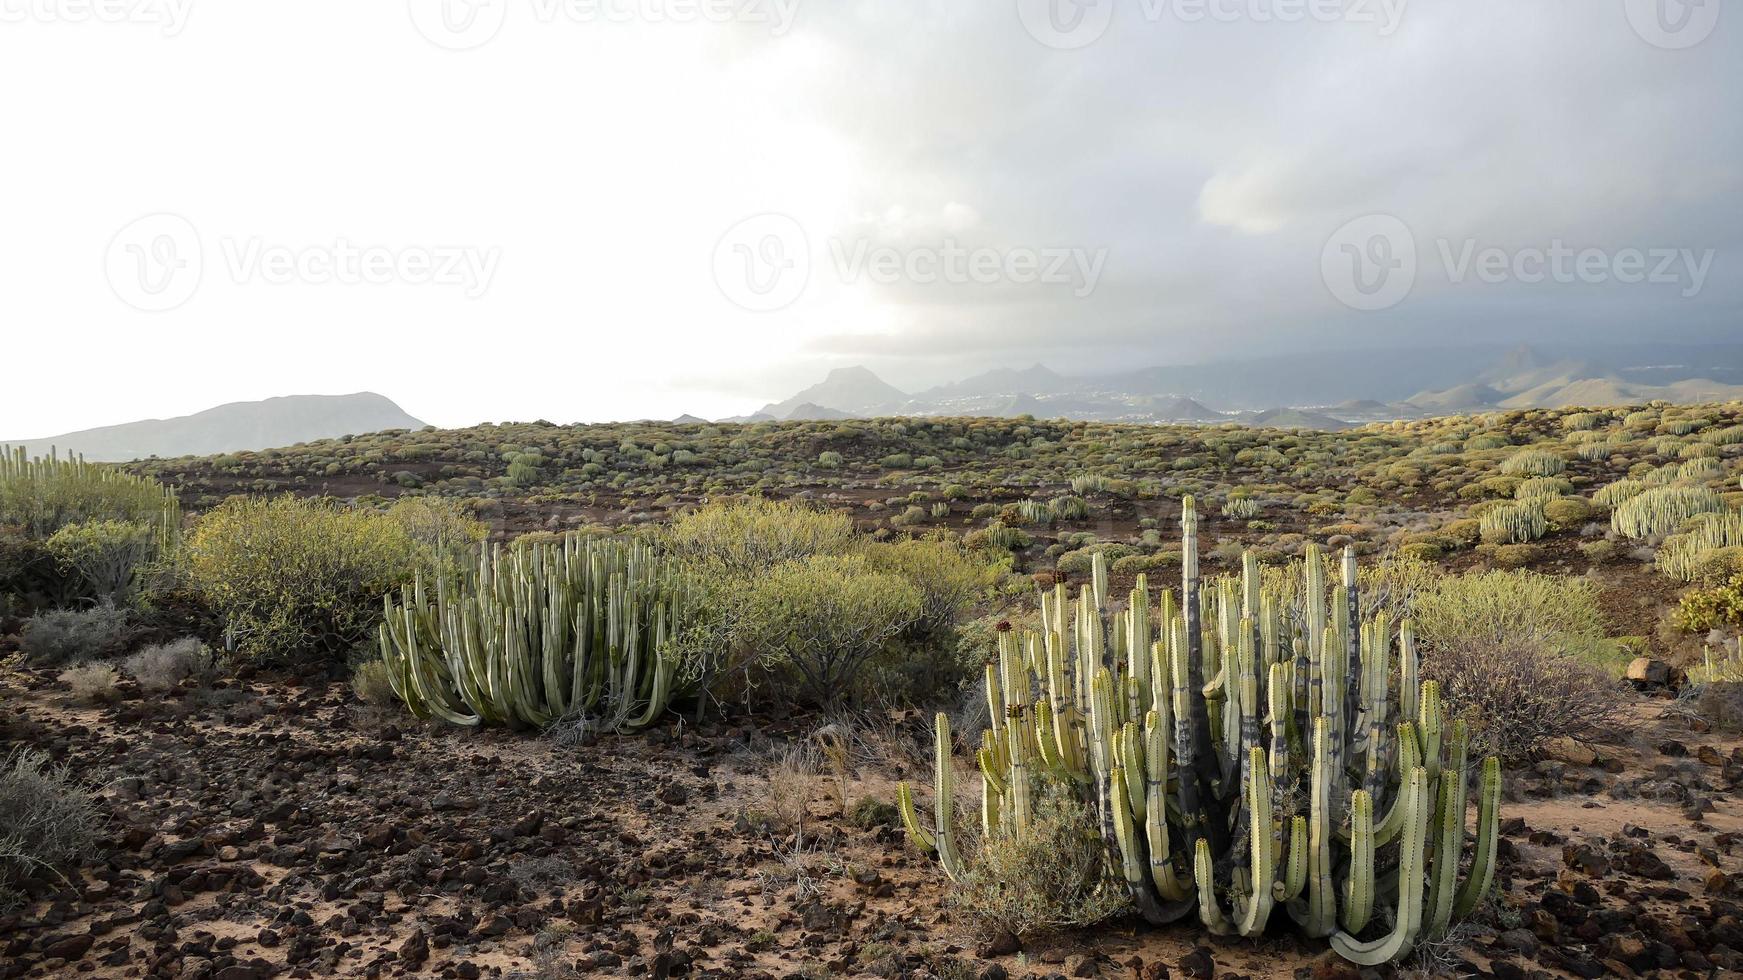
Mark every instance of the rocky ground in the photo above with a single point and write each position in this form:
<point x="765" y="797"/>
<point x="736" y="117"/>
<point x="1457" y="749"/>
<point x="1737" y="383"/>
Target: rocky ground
<point x="262" y="829"/>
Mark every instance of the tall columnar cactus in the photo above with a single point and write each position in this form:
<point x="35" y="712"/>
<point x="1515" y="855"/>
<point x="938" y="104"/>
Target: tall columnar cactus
<point x="1244" y="750"/>
<point x="539" y="633"/>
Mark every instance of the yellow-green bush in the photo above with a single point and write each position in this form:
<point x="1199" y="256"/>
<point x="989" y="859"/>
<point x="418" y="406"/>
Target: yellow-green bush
<point x="106" y="554"/>
<point x="1514" y="654"/>
<point x="823" y="617"/>
<point x="1564" y="513"/>
<point x="299" y="581"/>
<point x="756" y="535"/>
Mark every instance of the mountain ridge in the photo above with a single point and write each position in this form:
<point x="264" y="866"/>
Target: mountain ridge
<point x="269" y="423"/>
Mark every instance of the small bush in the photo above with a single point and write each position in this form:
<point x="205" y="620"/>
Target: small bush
<point x="870" y="813"/>
<point x="370" y="683"/>
<point x="106" y="554"/>
<point x="90" y="682"/>
<point x="1512" y="653"/>
<point x="1721" y="607"/>
<point x="1514" y="555"/>
<point x="1566" y="512"/>
<point x="1051" y="878"/>
<point x="52" y="639"/>
<point x="163" y="667"/>
<point x="754" y="536"/>
<point x="825" y="616"/>
<point x="300" y="581"/>
<point x="47" y="820"/>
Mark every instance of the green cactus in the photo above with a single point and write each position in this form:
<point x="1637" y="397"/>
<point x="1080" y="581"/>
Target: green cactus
<point x="1192" y="731"/>
<point x="539" y="633"/>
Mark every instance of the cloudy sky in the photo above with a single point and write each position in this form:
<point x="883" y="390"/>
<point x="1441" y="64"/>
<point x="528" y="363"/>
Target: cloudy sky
<point x="598" y="209"/>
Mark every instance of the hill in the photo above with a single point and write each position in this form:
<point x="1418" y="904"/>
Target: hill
<point x="236" y="427"/>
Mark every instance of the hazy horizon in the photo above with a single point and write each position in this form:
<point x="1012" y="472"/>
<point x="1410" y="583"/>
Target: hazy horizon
<point x="594" y="211"/>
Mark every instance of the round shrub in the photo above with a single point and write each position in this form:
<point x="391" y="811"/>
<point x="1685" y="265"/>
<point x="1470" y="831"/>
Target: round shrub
<point x="299" y="582"/>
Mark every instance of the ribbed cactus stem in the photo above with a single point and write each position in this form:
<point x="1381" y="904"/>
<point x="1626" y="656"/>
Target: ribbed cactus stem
<point x="1359" y="888"/>
<point x="944" y="800"/>
<point x="1407" y="918"/>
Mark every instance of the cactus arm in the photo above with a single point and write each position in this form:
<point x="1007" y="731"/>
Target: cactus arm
<point x="1450" y="843"/>
<point x="1395" y="945"/>
<point x="1359" y="887"/>
<point x="1254" y="911"/>
<point x="1203" y="876"/>
<point x="911" y="819"/>
<point x="1482" y="874"/>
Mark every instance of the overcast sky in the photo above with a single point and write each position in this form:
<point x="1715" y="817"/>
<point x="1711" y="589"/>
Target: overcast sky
<point x="604" y="209"/>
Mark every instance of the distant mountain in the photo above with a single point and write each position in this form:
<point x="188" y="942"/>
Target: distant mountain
<point x="1329" y="389"/>
<point x="1524" y="378"/>
<point x="1036" y="380"/>
<point x="1182" y="409"/>
<point x="1294" y="418"/>
<point x="853" y="390"/>
<point x="688" y="419"/>
<point x="809" y="412"/>
<point x="236" y="427"/>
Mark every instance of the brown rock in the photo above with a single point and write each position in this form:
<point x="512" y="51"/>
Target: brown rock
<point x="416" y="948"/>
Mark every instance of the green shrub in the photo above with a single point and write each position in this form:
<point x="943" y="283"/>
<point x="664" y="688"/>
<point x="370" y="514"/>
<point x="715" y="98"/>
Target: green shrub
<point x="62" y="636"/>
<point x="105" y="554"/>
<point x="1513" y="653"/>
<point x="1565" y="513"/>
<point x="1514" y="555"/>
<point x="371" y="685"/>
<point x="1051" y="877"/>
<point x="1720" y="607"/>
<point x="825" y="616"/>
<point x="299" y="581"/>
<point x="948" y="577"/>
<point x="756" y="535"/>
<point x="1422" y="551"/>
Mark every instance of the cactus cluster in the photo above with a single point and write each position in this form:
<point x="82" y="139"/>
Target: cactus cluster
<point x="1243" y="751"/>
<point x="534" y="634"/>
<point x="45" y="494"/>
<point x="1514" y="522"/>
<point x="1662" y="510"/>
